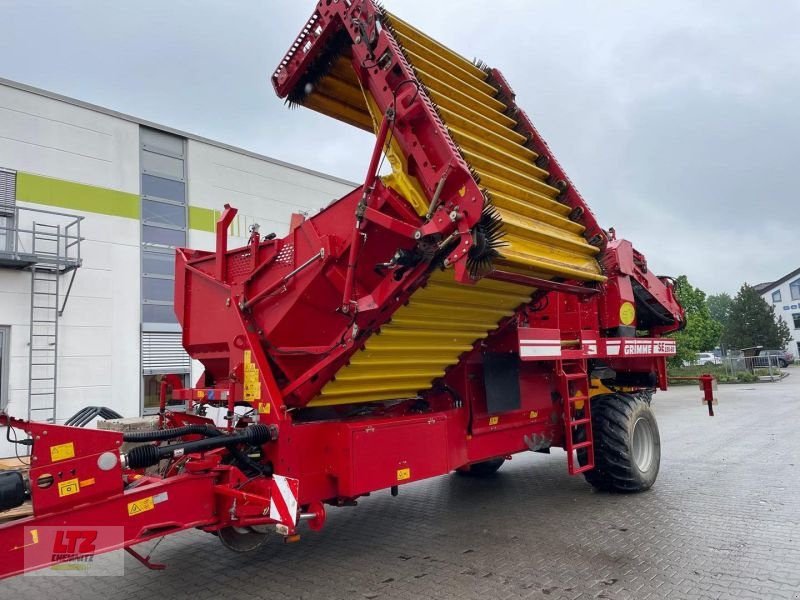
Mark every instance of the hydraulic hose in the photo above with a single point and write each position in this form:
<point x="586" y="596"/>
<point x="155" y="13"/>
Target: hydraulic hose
<point x="168" y="434"/>
<point x="254" y="435"/>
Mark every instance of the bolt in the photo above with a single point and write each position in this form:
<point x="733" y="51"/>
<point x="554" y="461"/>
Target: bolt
<point x="417" y="234"/>
<point x="358" y="39"/>
<point x="228" y="302"/>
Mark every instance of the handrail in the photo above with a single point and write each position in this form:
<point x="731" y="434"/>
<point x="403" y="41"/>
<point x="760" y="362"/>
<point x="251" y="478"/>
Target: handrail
<point x="58" y="237"/>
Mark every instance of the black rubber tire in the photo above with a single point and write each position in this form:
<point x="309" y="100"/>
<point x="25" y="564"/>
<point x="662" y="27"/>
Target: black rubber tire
<point x="783" y="364"/>
<point x="613" y="419"/>
<point x="486" y="468"/>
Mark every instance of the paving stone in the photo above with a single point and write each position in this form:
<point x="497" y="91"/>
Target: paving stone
<point x="721" y="522"/>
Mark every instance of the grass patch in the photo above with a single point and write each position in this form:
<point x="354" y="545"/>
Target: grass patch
<point x="718" y="371"/>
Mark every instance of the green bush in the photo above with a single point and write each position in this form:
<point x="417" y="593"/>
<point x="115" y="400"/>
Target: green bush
<point x="746" y="377"/>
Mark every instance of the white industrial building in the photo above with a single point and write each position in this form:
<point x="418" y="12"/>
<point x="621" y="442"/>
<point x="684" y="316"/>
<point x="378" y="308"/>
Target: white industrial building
<point x="784" y="295"/>
<point x="130" y="191"/>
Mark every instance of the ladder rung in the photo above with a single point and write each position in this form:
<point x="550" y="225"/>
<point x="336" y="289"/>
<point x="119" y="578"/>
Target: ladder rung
<point x="583" y="469"/>
<point x="574" y="376"/>
<point x="43" y="408"/>
<point x="581" y="445"/>
<point x="42" y="379"/>
<point x="37" y="293"/>
<point x="45" y="307"/>
<point x="578" y="398"/>
<point x="43" y="321"/>
<point x="43" y="335"/>
<point x="42" y="394"/>
<point x="577" y="422"/>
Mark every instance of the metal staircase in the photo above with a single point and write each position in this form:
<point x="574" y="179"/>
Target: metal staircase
<point x="43" y="344"/>
<point x="47" y="244"/>
<point x="574" y="390"/>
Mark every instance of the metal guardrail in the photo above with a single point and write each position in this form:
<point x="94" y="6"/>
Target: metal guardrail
<point x="36" y="236"/>
<point x="767" y="368"/>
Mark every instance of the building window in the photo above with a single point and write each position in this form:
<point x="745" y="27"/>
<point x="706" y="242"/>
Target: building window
<point x="5" y="351"/>
<point x="794" y="289"/>
<point x="164" y="224"/>
<point x="8" y="202"/>
<point x="162" y="353"/>
<point x="164" y="228"/>
<point x="796" y="317"/>
<point x="776" y="296"/>
<point x="152" y="393"/>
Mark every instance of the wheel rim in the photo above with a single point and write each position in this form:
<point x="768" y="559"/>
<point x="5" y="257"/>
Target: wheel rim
<point x="643" y="442"/>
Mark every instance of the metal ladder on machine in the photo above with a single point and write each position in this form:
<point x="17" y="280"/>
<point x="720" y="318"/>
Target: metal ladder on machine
<point x="43" y="341"/>
<point x="574" y="390"/>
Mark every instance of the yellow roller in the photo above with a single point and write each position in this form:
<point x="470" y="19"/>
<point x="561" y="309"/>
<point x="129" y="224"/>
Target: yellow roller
<point x="444" y="319"/>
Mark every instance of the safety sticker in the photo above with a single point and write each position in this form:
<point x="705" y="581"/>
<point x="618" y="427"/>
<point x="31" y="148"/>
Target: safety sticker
<point x="403" y="474"/>
<point x="252" y="379"/>
<point x="139" y="506"/>
<point x="494" y="420"/>
<point x="68" y="487"/>
<point x="87" y="482"/>
<point x="533" y="414"/>
<point x="62" y="452"/>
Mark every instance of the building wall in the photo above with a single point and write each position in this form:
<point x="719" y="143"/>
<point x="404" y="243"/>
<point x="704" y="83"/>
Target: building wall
<point x="82" y="161"/>
<point x="786" y="308"/>
<point x="67" y="155"/>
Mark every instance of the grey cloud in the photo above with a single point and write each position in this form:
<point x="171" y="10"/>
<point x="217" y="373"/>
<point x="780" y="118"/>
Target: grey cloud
<point x="677" y="121"/>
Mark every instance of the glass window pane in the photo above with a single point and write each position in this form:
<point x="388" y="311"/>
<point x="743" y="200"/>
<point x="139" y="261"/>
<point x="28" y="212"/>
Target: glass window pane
<point x="3" y="375"/>
<point x="160" y="163"/>
<point x="154" y="263"/>
<point x="158" y="289"/>
<point x="158" y="313"/>
<point x="163" y="188"/>
<point x="152" y="391"/>
<point x="162" y="141"/>
<point x="5" y="235"/>
<point x="161" y="212"/>
<point x="163" y="237"/>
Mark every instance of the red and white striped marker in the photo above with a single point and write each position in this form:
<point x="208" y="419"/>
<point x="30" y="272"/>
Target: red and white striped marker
<point x="283" y="501"/>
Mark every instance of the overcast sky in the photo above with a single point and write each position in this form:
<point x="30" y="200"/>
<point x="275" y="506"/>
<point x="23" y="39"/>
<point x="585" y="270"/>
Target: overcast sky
<point x="678" y="121"/>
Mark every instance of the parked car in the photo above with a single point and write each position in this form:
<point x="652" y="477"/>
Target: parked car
<point x="703" y="358"/>
<point x="765" y="357"/>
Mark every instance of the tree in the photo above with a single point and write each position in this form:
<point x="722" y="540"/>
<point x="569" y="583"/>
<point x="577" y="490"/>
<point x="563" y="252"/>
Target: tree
<point x="701" y="332"/>
<point x="753" y="322"/>
<point x="719" y="306"/>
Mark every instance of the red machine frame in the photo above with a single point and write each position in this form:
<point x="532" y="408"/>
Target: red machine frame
<point x="252" y="315"/>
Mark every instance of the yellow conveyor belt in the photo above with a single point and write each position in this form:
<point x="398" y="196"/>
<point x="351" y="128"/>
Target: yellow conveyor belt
<point x="444" y="319"/>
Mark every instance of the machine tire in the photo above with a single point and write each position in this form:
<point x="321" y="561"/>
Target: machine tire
<point x="487" y="468"/>
<point x="622" y="463"/>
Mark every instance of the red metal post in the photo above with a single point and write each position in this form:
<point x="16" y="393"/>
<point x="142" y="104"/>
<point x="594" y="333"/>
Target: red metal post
<point x="369" y="181"/>
<point x="222" y="240"/>
<point x="707" y="381"/>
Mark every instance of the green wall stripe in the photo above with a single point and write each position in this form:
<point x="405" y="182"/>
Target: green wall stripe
<point x="89" y="198"/>
<point x="76" y="196"/>
<point x="202" y="219"/>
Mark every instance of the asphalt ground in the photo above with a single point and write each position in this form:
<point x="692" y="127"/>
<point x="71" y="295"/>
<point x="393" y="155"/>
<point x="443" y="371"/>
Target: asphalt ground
<point x="722" y="521"/>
